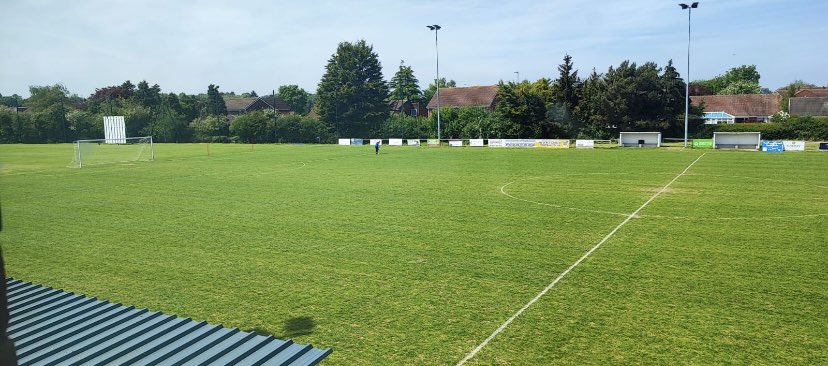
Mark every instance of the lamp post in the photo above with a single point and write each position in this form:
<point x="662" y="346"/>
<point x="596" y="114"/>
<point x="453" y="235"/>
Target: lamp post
<point x="436" y="28"/>
<point x="518" y="76"/>
<point x="687" y="84"/>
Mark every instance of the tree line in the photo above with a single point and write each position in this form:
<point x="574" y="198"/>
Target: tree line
<point x="352" y="100"/>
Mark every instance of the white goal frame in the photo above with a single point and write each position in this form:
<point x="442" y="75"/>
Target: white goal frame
<point x="78" y="157"/>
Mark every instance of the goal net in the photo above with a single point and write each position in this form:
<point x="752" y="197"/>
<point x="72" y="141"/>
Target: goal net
<point x="103" y="151"/>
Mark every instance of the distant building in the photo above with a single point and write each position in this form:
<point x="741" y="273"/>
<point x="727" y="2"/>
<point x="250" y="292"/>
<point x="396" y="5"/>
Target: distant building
<point x="408" y="108"/>
<point x="811" y="92"/>
<point x="808" y="106"/>
<point x="744" y="108"/>
<point x="237" y="106"/>
<point x="470" y="96"/>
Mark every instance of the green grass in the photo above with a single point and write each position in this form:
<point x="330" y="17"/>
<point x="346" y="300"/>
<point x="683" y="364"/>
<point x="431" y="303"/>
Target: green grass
<point x="415" y="256"/>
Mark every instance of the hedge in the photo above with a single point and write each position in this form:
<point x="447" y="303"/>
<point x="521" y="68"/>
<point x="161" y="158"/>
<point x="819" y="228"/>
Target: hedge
<point x="796" y="128"/>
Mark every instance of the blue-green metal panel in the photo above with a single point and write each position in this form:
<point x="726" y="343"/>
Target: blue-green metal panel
<point x="53" y="327"/>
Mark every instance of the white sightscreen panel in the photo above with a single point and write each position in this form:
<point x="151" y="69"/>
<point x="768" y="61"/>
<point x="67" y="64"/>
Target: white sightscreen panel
<point x="114" y="130"/>
<point x="740" y="139"/>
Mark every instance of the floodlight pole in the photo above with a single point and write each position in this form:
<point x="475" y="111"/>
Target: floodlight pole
<point x="687" y="83"/>
<point x="436" y="28"/>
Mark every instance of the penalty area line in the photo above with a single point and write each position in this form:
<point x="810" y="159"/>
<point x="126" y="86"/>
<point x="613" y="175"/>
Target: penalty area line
<point x="505" y="324"/>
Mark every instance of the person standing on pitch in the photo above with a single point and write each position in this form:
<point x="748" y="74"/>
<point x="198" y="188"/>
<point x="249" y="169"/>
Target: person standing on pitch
<point x="376" y="147"/>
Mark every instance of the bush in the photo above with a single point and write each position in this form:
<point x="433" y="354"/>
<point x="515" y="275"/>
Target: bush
<point x="254" y="127"/>
<point x="210" y="128"/>
<point x="403" y="126"/>
<point x="293" y="128"/>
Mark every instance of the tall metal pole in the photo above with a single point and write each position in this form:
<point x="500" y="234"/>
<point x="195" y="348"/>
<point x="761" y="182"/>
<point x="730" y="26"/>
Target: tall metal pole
<point x="437" y="52"/>
<point x="687" y="83"/>
<point x="436" y="28"/>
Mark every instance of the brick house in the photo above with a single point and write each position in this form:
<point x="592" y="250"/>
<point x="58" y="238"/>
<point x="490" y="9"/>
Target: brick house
<point x="744" y="108"/>
<point x="407" y="107"/>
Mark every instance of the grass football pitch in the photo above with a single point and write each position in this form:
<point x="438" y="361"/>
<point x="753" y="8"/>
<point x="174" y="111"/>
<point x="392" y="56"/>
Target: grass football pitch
<point x="417" y="255"/>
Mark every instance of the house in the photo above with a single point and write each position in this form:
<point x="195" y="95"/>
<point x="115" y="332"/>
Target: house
<point x="470" y="96"/>
<point x="238" y="106"/>
<point x="407" y="107"/>
<point x="808" y="106"/>
<point x="720" y="109"/>
<point x="811" y="92"/>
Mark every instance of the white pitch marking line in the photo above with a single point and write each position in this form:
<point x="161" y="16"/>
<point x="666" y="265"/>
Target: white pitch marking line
<point x="505" y="324"/>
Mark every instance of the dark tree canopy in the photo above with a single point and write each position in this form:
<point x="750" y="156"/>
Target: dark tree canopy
<point x="404" y="85"/>
<point x="215" y="103"/>
<point x="352" y="94"/>
<point x="295" y="97"/>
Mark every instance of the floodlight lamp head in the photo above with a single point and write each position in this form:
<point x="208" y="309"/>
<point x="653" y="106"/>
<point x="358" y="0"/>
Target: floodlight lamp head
<point x="695" y="5"/>
<point x="433" y="27"/>
<point x="683" y="6"/>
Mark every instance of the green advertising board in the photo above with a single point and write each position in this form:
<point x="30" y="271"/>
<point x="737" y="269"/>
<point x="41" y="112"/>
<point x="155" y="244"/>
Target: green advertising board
<point x="702" y="143"/>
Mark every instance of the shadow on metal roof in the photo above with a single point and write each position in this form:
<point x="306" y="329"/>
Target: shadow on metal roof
<point x="53" y="327"/>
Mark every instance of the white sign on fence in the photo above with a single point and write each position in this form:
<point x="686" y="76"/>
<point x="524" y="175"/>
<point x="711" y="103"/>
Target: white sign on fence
<point x="518" y="143"/>
<point x="794" y="145"/>
<point x="496" y="143"/>
<point x="413" y="142"/>
<point x="584" y="144"/>
<point x="476" y="142"/>
<point x="375" y="141"/>
<point x="552" y="144"/>
<point x="394" y="142"/>
<point x="344" y="141"/>
<point x="456" y="143"/>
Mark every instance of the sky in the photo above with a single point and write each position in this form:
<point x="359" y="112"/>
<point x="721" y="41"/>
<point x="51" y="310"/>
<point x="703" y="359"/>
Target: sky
<point x="246" y="45"/>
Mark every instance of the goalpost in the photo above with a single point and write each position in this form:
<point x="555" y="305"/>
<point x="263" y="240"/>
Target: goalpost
<point x="115" y="147"/>
<point x="99" y="151"/>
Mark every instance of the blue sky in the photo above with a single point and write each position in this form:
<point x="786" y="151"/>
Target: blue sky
<point x="258" y="45"/>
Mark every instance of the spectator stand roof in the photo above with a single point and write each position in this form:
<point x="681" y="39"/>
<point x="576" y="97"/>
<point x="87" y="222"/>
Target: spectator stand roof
<point x="50" y="326"/>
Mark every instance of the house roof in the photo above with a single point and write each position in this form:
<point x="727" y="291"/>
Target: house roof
<point x="51" y="326"/>
<point x="237" y="104"/>
<point x="812" y="92"/>
<point x="812" y="106"/>
<point x="743" y="105"/>
<point x="281" y="105"/>
<point x="480" y="96"/>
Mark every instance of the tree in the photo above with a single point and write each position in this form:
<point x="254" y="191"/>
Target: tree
<point x="740" y="87"/>
<point x="295" y="97"/>
<point x="148" y="96"/>
<point x="215" y="103"/>
<point x="351" y="96"/>
<point x="746" y="78"/>
<point x="567" y="95"/>
<point x="568" y="84"/>
<point x="404" y="85"/>
<point x="432" y="88"/>
<point x="49" y="105"/>
<point x="525" y="105"/>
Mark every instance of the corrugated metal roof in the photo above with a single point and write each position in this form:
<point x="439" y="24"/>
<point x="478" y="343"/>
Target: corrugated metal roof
<point x="53" y="327"/>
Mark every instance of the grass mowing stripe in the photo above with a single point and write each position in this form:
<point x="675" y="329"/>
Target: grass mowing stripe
<point x="505" y="324"/>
